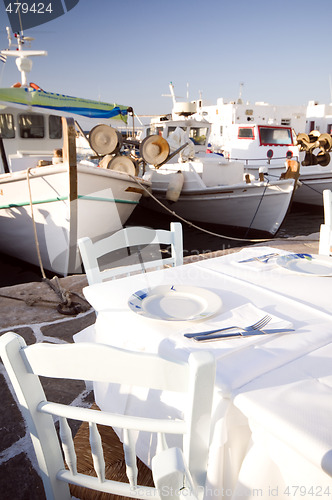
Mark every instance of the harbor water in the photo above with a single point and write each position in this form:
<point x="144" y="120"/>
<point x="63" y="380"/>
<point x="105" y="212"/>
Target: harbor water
<point x="300" y="221"/>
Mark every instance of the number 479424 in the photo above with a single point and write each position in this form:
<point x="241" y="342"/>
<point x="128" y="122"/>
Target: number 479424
<point x="25" y="8"/>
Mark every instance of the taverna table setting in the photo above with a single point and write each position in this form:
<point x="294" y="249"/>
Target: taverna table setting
<point x="270" y="432"/>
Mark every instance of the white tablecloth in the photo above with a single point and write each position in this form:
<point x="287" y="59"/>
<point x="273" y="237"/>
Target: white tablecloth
<point x="270" y="417"/>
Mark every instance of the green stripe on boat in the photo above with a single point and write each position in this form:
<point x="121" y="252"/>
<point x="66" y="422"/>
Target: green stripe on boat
<point x="93" y="198"/>
<point x="64" y="198"/>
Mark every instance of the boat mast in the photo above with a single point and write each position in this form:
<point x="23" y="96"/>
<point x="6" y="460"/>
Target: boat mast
<point x="23" y="63"/>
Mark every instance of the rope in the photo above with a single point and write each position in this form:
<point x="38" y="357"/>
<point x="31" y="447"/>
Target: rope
<point x="66" y="306"/>
<point x="194" y="225"/>
<point x="34" y="227"/>
<point x="259" y="204"/>
<point x="310" y="187"/>
<point x="30" y="301"/>
<point x="206" y="230"/>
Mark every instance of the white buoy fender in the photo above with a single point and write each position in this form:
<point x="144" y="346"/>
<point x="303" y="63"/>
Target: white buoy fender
<point x="175" y="186"/>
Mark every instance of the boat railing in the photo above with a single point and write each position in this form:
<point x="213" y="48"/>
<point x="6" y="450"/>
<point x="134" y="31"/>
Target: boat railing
<point x="266" y="161"/>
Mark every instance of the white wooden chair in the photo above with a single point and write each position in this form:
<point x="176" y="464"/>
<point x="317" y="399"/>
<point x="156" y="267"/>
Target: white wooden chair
<point x="325" y="235"/>
<point x="173" y="469"/>
<point x="144" y="239"/>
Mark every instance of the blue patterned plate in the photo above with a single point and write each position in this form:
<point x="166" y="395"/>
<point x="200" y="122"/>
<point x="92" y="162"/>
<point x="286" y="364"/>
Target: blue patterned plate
<point x="303" y="263"/>
<point x="175" y="302"/>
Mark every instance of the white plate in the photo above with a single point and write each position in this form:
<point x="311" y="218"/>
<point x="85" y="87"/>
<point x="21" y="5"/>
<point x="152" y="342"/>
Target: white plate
<point x="175" y="302"/>
<point x="316" y="266"/>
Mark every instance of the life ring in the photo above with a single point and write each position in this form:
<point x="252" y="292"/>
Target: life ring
<point x="34" y="86"/>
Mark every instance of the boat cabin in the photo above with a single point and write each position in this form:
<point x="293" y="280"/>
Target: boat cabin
<point x="197" y="131"/>
<point x="26" y="132"/>
<point x="254" y="132"/>
<point x="257" y="142"/>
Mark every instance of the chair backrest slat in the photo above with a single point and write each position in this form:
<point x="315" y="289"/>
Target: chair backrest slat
<point x="138" y="239"/>
<point x="97" y="451"/>
<point x="130" y="456"/>
<point x="68" y="445"/>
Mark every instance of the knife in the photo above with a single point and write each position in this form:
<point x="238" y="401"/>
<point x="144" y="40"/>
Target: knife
<point x="209" y="338"/>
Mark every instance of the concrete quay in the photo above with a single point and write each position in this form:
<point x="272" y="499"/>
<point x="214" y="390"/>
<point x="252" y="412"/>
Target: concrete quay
<point x="30" y="310"/>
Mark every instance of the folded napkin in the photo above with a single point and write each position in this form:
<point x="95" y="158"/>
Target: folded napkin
<point x="241" y="316"/>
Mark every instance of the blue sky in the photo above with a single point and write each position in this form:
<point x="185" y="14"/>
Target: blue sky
<point x="128" y="51"/>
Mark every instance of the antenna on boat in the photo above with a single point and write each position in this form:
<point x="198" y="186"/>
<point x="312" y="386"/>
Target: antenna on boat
<point x="9" y="36"/>
<point x="172" y="95"/>
<point x="23" y="63"/>
<point x="239" y="100"/>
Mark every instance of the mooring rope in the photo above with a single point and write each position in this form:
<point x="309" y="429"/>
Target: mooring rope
<point x="66" y="305"/>
<point x="34" y="227"/>
<point x="310" y="187"/>
<point x="194" y="225"/>
<point x="259" y="204"/>
<point x="203" y="229"/>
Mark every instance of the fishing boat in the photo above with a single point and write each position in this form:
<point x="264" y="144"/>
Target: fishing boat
<point x="209" y="188"/>
<point x="214" y="192"/>
<point x="264" y="136"/>
<point x="45" y="209"/>
<point x="260" y="135"/>
<point x="30" y="117"/>
<point x="266" y="147"/>
<point x="48" y="199"/>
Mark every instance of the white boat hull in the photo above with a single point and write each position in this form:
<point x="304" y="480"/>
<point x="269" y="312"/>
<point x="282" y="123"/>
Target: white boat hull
<point x="258" y="206"/>
<point x="67" y="204"/>
<point x="313" y="180"/>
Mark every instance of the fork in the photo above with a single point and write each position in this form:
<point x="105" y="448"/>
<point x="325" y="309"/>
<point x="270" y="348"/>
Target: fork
<point x="256" y="326"/>
<point x="266" y="260"/>
<point x="262" y="258"/>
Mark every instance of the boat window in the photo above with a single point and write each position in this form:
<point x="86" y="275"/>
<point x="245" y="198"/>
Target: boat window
<point x="198" y="135"/>
<point x="170" y="130"/>
<point x="221" y="130"/>
<point x="55" y="127"/>
<point x="7" y="130"/>
<point x="31" y="126"/>
<point x="270" y="136"/>
<point x="246" y="133"/>
<point x="156" y="130"/>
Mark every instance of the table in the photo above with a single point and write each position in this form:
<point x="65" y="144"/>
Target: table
<point x="271" y="432"/>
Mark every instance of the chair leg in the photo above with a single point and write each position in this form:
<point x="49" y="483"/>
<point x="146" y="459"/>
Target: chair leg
<point x="325" y="236"/>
